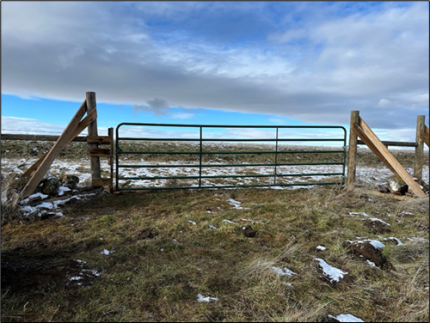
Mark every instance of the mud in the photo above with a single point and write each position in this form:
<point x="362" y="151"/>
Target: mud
<point x="23" y="275"/>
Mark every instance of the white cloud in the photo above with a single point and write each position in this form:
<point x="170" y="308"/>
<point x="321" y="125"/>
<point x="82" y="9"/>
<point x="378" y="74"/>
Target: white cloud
<point x="384" y="103"/>
<point x="15" y="125"/>
<point x="277" y="121"/>
<point x="421" y="98"/>
<point x="318" y="70"/>
<point x="182" y="116"/>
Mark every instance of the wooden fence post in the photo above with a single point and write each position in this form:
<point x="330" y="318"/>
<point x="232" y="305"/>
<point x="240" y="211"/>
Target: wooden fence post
<point x="46" y="162"/>
<point x="419" y="149"/>
<point x="92" y="131"/>
<point x="352" y="156"/>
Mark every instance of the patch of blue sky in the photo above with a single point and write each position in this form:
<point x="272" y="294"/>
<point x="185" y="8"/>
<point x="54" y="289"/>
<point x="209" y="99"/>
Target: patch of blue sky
<point x="110" y="115"/>
<point x="220" y="23"/>
<point x="347" y="8"/>
<point x="52" y="111"/>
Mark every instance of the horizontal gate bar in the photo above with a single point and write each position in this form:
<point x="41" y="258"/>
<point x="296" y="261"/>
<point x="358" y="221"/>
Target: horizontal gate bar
<point x="229" y="140"/>
<point x="227" y="165"/>
<point x="226" y="176"/>
<point x="225" y="126"/>
<point x="230" y="152"/>
<point x="224" y="186"/>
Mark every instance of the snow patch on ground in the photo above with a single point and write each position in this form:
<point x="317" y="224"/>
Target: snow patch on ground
<point x="379" y="220"/>
<point x="283" y="271"/>
<point x="236" y="204"/>
<point x="375" y="243"/>
<point x="228" y="221"/>
<point x="364" y="174"/>
<point x="43" y="207"/>
<point x="358" y="213"/>
<point x="63" y="189"/>
<point x="346" y="318"/>
<point x="371" y="263"/>
<point x="399" y="243"/>
<point x="331" y="272"/>
<point x="201" y="298"/>
<point x="25" y="201"/>
<point x="106" y="252"/>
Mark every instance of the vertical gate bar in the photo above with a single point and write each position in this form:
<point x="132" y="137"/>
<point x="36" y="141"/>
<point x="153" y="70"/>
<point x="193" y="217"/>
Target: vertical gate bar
<point x="200" y="166"/>
<point x="344" y="158"/>
<point x="116" y="158"/>
<point x="276" y="155"/>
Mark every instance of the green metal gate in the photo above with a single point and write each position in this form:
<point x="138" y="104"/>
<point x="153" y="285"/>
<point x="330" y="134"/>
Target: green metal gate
<point x="200" y="152"/>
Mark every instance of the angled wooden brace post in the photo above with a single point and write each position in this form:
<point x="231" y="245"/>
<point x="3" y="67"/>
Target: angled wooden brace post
<point x="372" y="141"/>
<point x="71" y="131"/>
<point x="81" y="126"/>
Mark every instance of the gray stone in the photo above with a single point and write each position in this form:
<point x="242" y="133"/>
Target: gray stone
<point x="71" y="181"/>
<point x="397" y="186"/>
<point x="50" y="186"/>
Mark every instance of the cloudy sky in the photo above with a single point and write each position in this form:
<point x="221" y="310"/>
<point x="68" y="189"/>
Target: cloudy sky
<point x="257" y="63"/>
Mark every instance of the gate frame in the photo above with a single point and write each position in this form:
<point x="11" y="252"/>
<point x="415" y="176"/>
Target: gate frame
<point x="118" y="152"/>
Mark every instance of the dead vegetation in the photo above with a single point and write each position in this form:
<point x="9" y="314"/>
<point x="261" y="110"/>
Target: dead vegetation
<point x="156" y="251"/>
<point x="147" y="255"/>
<point x="9" y="196"/>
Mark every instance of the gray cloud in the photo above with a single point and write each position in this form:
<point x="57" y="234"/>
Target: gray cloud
<point x="158" y="107"/>
<point x="363" y="59"/>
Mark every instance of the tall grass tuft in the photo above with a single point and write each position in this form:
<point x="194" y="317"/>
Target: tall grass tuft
<point x="9" y="199"/>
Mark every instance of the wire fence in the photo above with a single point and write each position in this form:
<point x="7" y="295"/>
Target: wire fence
<point x="31" y="132"/>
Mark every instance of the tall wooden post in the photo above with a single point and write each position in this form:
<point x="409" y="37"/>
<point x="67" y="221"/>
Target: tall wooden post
<point x="355" y="115"/>
<point x="92" y="131"/>
<point x="419" y="149"/>
<point x="110" y="133"/>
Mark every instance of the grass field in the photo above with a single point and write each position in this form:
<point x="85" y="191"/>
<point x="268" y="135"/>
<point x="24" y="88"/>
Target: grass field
<point x="218" y="254"/>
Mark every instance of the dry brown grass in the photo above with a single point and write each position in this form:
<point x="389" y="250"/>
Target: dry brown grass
<point x="158" y="278"/>
<point x="9" y="198"/>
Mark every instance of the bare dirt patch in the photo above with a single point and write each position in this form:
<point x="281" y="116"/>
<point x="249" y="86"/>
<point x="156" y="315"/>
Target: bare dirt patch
<point x="23" y="275"/>
<point x="368" y="251"/>
<point x="149" y="233"/>
<point x="377" y="226"/>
